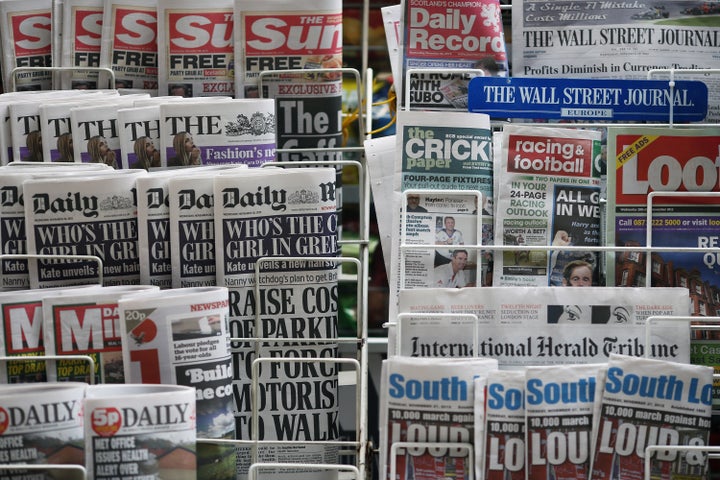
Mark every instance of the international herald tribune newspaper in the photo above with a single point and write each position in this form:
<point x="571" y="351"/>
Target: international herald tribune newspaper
<point x="652" y="402"/>
<point x="428" y="401"/>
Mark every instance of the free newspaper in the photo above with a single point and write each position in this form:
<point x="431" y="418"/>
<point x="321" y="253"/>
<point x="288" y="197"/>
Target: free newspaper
<point x="523" y="326"/>
<point x="90" y="215"/>
<point x="504" y="446"/>
<point x="286" y="314"/>
<point x="136" y="431"/>
<point x="645" y="402"/>
<point x="548" y="194"/>
<point x="427" y="401"/>
<point x="443" y="36"/>
<point x="195" y="42"/>
<point x="81" y="42"/>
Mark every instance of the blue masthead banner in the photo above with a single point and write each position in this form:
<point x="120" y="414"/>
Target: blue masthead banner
<point x="585" y="99"/>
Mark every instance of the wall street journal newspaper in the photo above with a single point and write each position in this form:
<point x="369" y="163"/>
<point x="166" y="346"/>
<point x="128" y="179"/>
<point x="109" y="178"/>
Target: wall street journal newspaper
<point x="428" y="400"/>
<point x="652" y="402"/>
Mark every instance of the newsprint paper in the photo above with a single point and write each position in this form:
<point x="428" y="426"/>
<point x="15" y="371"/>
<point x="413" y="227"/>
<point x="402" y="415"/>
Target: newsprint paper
<point x="428" y="401"/>
<point x="652" y="402"/>
<point x="504" y="447"/>
<point x="523" y="326"/>
<point x="140" y="431"/>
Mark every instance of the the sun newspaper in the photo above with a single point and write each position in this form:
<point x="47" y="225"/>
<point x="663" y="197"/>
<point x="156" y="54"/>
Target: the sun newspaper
<point x="428" y="400"/>
<point x="288" y="312"/>
<point x="180" y="337"/>
<point x="505" y="426"/>
<point x="140" y="431"/>
<point x="548" y="194"/>
<point x="81" y="42"/>
<point x="645" y="402"/>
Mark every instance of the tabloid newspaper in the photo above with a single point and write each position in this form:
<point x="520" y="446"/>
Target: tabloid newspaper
<point x="559" y="406"/>
<point x="81" y="39"/>
<point x="21" y="334"/>
<point x="586" y="39"/>
<point x="84" y="321"/>
<point x="652" y="402"/>
<point x="505" y="426"/>
<point x="548" y="194"/>
<point x="139" y="137"/>
<point x="93" y="215"/>
<point x="195" y="42"/>
<point x="439" y="151"/>
<point x="236" y="131"/>
<point x="181" y="337"/>
<point x="27" y="42"/>
<point x="523" y="326"/>
<point x="42" y="424"/>
<point x="429" y="400"/>
<point x="444" y="35"/>
<point x="96" y="133"/>
<point x="140" y="431"/>
<point x="129" y="43"/>
<point x="283" y="213"/>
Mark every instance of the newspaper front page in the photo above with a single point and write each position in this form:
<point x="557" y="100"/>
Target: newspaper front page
<point x="139" y="137"/>
<point x="546" y="326"/>
<point x="548" y="194"/>
<point x="624" y="40"/>
<point x="505" y="426"/>
<point x="42" y="425"/>
<point x="81" y="42"/>
<point x="647" y="402"/>
<point x="140" y="431"/>
<point x="428" y="401"/>
<point x="290" y="309"/>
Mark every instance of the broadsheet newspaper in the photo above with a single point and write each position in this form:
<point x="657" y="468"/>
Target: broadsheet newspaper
<point x="559" y="405"/>
<point x="429" y="401"/>
<point x="652" y="402"/>
<point x="195" y="42"/>
<point x="140" y="431"/>
<point x="585" y="39"/>
<point x="504" y="448"/>
<point x="449" y="36"/>
<point x="85" y="321"/>
<point x="181" y="337"/>
<point x="290" y="307"/>
<point x="93" y="215"/>
<point x="81" y="41"/>
<point x="129" y="43"/>
<point x="439" y="151"/>
<point x="42" y="424"/>
<point x="548" y="194"/>
<point x="546" y="326"/>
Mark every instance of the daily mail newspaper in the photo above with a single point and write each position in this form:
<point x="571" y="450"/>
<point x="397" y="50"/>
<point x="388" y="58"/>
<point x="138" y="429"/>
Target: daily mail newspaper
<point x="85" y="321"/>
<point x="428" y="401"/>
<point x="559" y="406"/>
<point x="181" y="337"/>
<point x="523" y="326"/>
<point x="652" y="402"/>
<point x="81" y="41"/>
<point x="238" y="131"/>
<point x="505" y="426"/>
<point x="195" y="42"/>
<point x="93" y="215"/>
<point x="21" y="335"/>
<point x="140" y="431"/>
<point x="439" y="151"/>
<point x="289" y="311"/>
<point x="42" y="424"/>
<point x="129" y="44"/>
<point x="624" y="40"/>
<point x="548" y="194"/>
<point x="445" y="35"/>
<point x="27" y="42"/>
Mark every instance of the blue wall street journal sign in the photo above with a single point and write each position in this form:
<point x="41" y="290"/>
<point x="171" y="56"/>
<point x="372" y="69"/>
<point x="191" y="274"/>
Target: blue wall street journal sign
<point x="586" y="99"/>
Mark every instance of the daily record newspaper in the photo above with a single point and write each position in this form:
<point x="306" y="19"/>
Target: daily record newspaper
<point x="548" y="193"/>
<point x="287" y="314"/>
<point x="504" y="445"/>
<point x="624" y="40"/>
<point x="428" y="401"/>
<point x="646" y="402"/>
<point x="524" y="326"/>
<point x="140" y="431"/>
